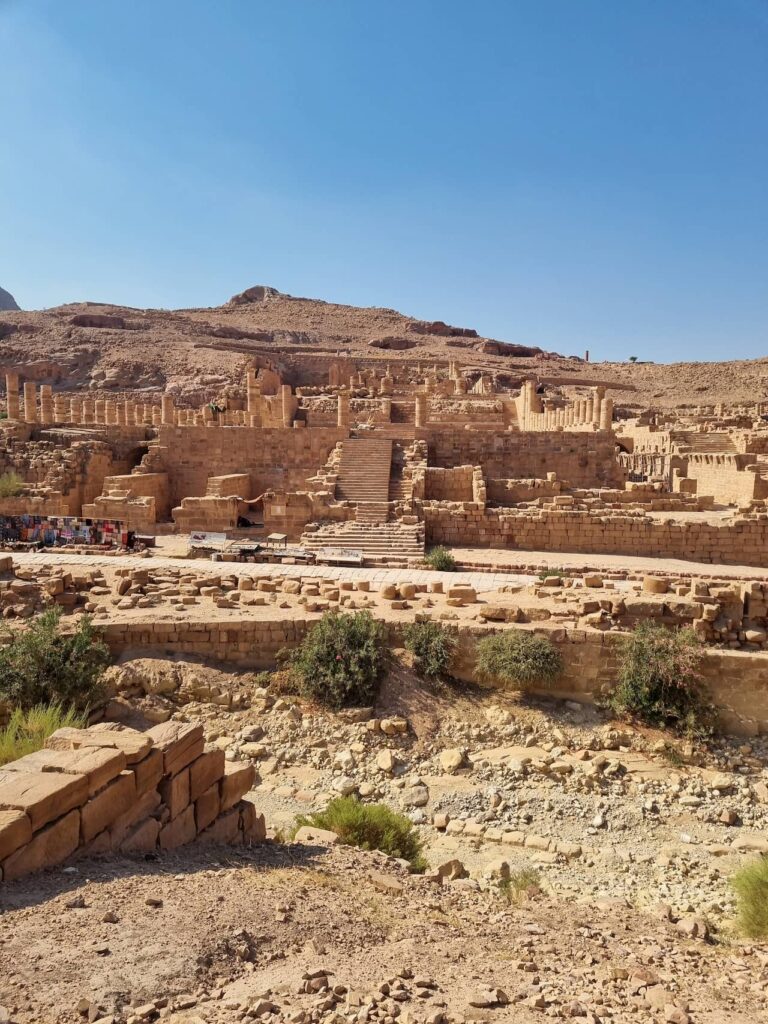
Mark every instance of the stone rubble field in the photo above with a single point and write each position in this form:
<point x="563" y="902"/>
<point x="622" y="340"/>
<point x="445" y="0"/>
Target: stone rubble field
<point x="626" y="840"/>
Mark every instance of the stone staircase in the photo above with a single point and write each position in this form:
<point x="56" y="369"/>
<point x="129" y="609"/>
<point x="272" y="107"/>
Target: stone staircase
<point x="395" y="544"/>
<point x="364" y="470"/>
<point x="703" y="441"/>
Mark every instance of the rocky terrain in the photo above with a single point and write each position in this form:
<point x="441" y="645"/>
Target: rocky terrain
<point x="578" y="869"/>
<point x="201" y="353"/>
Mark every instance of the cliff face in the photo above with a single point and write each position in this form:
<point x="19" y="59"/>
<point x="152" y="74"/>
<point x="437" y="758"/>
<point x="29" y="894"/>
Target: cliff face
<point x="7" y="301"/>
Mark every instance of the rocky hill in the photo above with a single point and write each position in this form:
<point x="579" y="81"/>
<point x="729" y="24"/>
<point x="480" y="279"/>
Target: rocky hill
<point x="7" y="301"/>
<point x="197" y="352"/>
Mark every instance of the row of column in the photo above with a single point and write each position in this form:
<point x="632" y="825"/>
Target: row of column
<point x="583" y="413"/>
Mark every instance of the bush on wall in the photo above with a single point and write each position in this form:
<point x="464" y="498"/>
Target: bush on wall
<point x="517" y="658"/>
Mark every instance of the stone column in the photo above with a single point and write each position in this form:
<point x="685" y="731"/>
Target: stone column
<point x="420" y="412"/>
<point x="46" y="404"/>
<point x="167" y="406"/>
<point x="88" y="411"/>
<point x="588" y="411"/>
<point x="342" y="411"/>
<point x="98" y="411"/>
<point x="606" y="414"/>
<point x="76" y="410"/>
<point x="59" y="409"/>
<point x="156" y="413"/>
<point x="30" y="402"/>
<point x="120" y="419"/>
<point x="597" y="401"/>
<point x="386" y="410"/>
<point x="12" y="407"/>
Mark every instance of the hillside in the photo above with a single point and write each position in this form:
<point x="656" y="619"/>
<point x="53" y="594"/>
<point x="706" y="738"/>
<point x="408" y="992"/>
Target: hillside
<point x="7" y="301"/>
<point x="195" y="352"/>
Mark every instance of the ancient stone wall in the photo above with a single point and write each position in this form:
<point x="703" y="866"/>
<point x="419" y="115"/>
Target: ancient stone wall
<point x="730" y="479"/>
<point x="449" y="484"/>
<point x="583" y="459"/>
<point x="276" y="459"/>
<point x="740" y="543"/>
<point x="737" y="681"/>
<point x="108" y="789"/>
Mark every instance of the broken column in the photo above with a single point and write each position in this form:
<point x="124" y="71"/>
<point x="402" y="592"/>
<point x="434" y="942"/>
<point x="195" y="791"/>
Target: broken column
<point x="286" y="402"/>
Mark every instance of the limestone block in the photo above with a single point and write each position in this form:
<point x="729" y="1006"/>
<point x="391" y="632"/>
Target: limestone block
<point x="179" y="831"/>
<point x="238" y="778"/>
<point x="109" y="804"/>
<point x="144" y="807"/>
<point x="142" y="838"/>
<point x="252" y="823"/>
<point x="207" y="807"/>
<point x="174" y="792"/>
<point x="180" y="742"/>
<point x="44" y="796"/>
<point x="205" y="771"/>
<point x="49" y="847"/>
<point x="135" y="745"/>
<point x="149" y="771"/>
<point x="15" y="831"/>
<point x="225" y="829"/>
<point x="99" y="766"/>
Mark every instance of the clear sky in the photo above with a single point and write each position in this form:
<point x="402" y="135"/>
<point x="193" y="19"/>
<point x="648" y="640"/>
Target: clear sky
<point x="566" y="173"/>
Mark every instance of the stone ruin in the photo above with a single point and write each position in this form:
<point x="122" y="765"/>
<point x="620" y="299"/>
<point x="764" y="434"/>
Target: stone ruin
<point x="385" y="461"/>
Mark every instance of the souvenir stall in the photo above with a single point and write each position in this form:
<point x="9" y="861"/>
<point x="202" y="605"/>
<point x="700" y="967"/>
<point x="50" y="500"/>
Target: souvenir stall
<point x="58" y="531"/>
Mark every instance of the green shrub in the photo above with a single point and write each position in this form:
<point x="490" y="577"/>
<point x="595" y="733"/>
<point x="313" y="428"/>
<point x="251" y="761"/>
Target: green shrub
<point x="369" y="827"/>
<point x="517" y="658"/>
<point x="440" y="559"/>
<point x="339" y="661"/>
<point x="11" y="484"/>
<point x="432" y="647"/>
<point x="43" y="665"/>
<point x="751" y="886"/>
<point x="28" y="730"/>
<point x="659" y="679"/>
<point x="519" y="882"/>
<point x="546" y="573"/>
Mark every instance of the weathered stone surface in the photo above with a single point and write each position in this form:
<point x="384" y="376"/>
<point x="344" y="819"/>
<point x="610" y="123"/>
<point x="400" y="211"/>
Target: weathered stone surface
<point x="50" y="846"/>
<point x="44" y="796"/>
<point x="15" y="831"/>
<point x="205" y="771"/>
<point x="309" y="834"/>
<point x="179" y="831"/>
<point x="142" y="838"/>
<point x="180" y="742"/>
<point x="135" y="745"/>
<point x="99" y="765"/>
<point x="238" y="778"/>
<point x="174" y="792"/>
<point x="207" y="807"/>
<point x="107" y="805"/>
<point x="148" y="771"/>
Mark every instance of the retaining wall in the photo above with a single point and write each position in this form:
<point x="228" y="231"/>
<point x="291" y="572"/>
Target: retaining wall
<point x="737" y="681"/>
<point x="104" y="789"/>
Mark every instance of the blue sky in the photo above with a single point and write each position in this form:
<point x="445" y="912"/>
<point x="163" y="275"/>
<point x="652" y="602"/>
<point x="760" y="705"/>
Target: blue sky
<point x="566" y="173"/>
